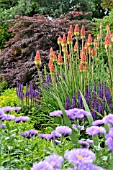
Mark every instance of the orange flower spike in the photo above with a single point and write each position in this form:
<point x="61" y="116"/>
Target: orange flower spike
<point x="86" y="45"/>
<point x="112" y="37"/>
<point x="51" y="55"/>
<point x="59" y="40"/>
<point x="86" y="51"/>
<point x="81" y="66"/>
<point x="93" y="52"/>
<point x="89" y="40"/>
<point x="51" y="50"/>
<point x="107" y="42"/>
<point x="82" y="33"/>
<point x="83" y="57"/>
<point x="71" y="30"/>
<point x="37" y="58"/>
<point x="75" y="47"/>
<point x="64" y="42"/>
<point x="76" y="30"/>
<point x="54" y="57"/>
<point x="52" y="69"/>
<point x="69" y="38"/>
<point x="50" y="63"/>
<point x="60" y="60"/>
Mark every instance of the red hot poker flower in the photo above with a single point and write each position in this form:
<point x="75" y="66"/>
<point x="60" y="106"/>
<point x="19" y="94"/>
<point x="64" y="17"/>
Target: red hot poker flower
<point x="64" y="42"/>
<point x="82" y="32"/>
<point x="69" y="38"/>
<point x="93" y="52"/>
<point x="71" y="30"/>
<point x="107" y="41"/>
<point x="76" y="30"/>
<point x="60" y="60"/>
<point x="89" y="40"/>
<point x="59" y="40"/>
<point x="37" y="58"/>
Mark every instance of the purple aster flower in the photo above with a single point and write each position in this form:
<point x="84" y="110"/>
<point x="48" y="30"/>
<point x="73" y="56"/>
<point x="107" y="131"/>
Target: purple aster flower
<point x="110" y="134"/>
<point x="42" y="166"/>
<point x="56" y="113"/>
<point x="109" y="143"/>
<point x="29" y="134"/>
<point x="95" y="130"/>
<point x="2" y="126"/>
<point x="56" y="134"/>
<point x="7" y="109"/>
<point x="46" y="136"/>
<point x="98" y="122"/>
<point x="108" y="119"/>
<point x="97" y="168"/>
<point x="16" y="108"/>
<point x="54" y="160"/>
<point x="8" y="117"/>
<point x="77" y="113"/>
<point x="79" y="156"/>
<point x="77" y="127"/>
<point x="22" y="119"/>
<point x="84" y="144"/>
<point x="1" y="113"/>
<point x="64" y="130"/>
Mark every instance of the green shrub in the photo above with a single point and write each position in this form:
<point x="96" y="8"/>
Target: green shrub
<point x="4" y="34"/>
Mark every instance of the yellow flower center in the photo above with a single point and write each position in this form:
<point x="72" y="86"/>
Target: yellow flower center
<point x="80" y="157"/>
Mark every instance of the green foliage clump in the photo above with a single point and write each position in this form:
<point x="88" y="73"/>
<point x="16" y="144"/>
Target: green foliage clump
<point x="4" y="34"/>
<point x="3" y="84"/>
<point x="9" y="98"/>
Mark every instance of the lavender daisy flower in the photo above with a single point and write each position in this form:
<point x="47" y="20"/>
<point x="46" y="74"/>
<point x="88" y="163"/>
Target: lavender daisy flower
<point x="95" y="130"/>
<point x="64" y="130"/>
<point x="84" y="144"/>
<point x="29" y="134"/>
<point x="97" y="168"/>
<point x="22" y="119"/>
<point x="79" y="156"/>
<point x="8" y="117"/>
<point x="77" y="113"/>
<point x="7" y="109"/>
<point x="2" y="126"/>
<point x="56" y="113"/>
<point x="89" y="166"/>
<point x="110" y="134"/>
<point x="1" y="113"/>
<point x="98" y="122"/>
<point x="108" y="119"/>
<point x="56" y="134"/>
<point x="77" y="127"/>
<point x="54" y="160"/>
<point x="109" y="143"/>
<point x="42" y="166"/>
<point x="16" y="108"/>
<point x="46" y="136"/>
